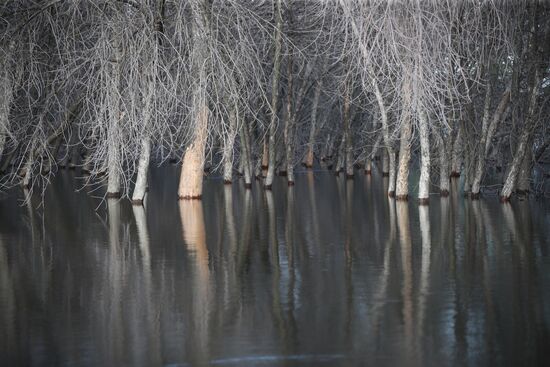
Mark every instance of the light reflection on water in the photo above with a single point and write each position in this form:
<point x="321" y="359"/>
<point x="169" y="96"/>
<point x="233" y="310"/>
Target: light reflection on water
<point x="328" y="272"/>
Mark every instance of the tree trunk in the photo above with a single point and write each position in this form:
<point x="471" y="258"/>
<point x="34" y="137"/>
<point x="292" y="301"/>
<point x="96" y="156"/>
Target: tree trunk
<point x="525" y="138"/>
<point x="308" y="161"/>
<point x="113" y="160"/>
<point x="229" y="143"/>
<point x="524" y="174"/>
<point x="265" y="155"/>
<point x="143" y="169"/>
<point x="402" y="184"/>
<point x="258" y="171"/>
<point x="347" y="133"/>
<point x="541" y="150"/>
<point x="246" y="157"/>
<point x="289" y="127"/>
<point x="280" y="157"/>
<point x="274" y="96"/>
<point x="467" y="171"/>
<point x="479" y="161"/>
<point x="26" y="182"/>
<point x="485" y="143"/>
<point x="424" y="184"/>
<point x="6" y="97"/>
<point x="521" y="164"/>
<point x="292" y="111"/>
<point x="290" y="157"/>
<point x="340" y="159"/>
<point x="391" y="171"/>
<point x="456" y="159"/>
<point x="444" y="182"/>
<point x="385" y="163"/>
<point x="379" y="99"/>
<point x="113" y="127"/>
<point x="329" y="149"/>
<point x="192" y="169"/>
<point x="371" y="156"/>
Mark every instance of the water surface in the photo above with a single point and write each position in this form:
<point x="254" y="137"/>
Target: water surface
<point x="329" y="272"/>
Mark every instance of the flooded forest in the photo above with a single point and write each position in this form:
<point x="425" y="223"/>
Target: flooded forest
<point x="274" y="182"/>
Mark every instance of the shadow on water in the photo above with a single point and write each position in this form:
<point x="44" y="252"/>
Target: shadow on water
<point x="328" y="272"/>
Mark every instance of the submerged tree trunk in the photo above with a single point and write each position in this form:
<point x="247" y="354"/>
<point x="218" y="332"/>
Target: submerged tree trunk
<point x="265" y="155"/>
<point x="525" y="138"/>
<point x="521" y="164"/>
<point x="113" y="160"/>
<point x="329" y="149"/>
<point x="288" y="132"/>
<point x="280" y="157"/>
<point x="402" y="184"/>
<point x="379" y="99"/>
<point x="524" y="174"/>
<point x="456" y="159"/>
<point x="424" y="182"/>
<point x="141" y="185"/>
<point x="371" y="156"/>
<point x="340" y="158"/>
<point x="292" y="111"/>
<point x="479" y="161"/>
<point x="143" y="168"/>
<point x="385" y="163"/>
<point x="308" y="161"/>
<point x="487" y="133"/>
<point x="27" y="169"/>
<point x="389" y="164"/>
<point x="393" y="173"/>
<point x="192" y="169"/>
<point x="246" y="155"/>
<point x="274" y="95"/>
<point x="467" y="188"/>
<point x="347" y="134"/>
<point x="113" y="127"/>
<point x="229" y="142"/>
<point x="444" y="181"/>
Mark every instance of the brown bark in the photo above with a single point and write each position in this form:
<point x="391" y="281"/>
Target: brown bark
<point x="192" y="169"/>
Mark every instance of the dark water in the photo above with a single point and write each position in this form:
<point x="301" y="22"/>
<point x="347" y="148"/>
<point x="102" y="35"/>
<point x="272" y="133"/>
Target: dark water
<point x="329" y="272"/>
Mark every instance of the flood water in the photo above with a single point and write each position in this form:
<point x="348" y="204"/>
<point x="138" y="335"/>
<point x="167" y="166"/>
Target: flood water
<point x="329" y="272"/>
